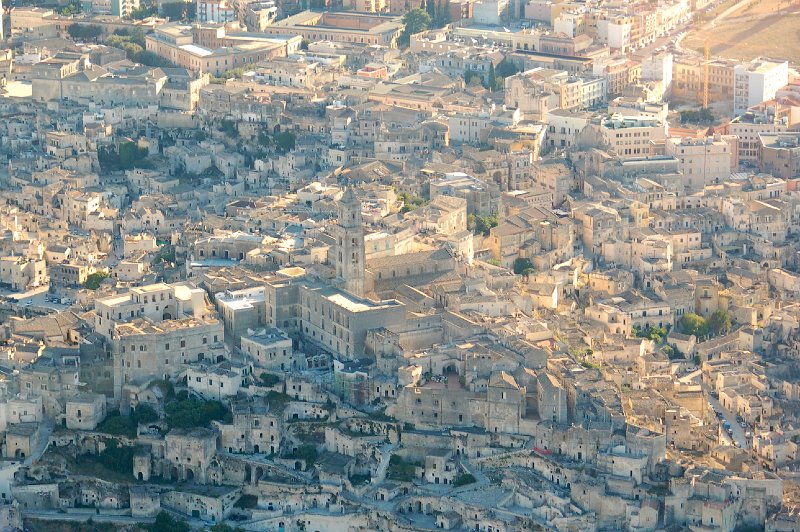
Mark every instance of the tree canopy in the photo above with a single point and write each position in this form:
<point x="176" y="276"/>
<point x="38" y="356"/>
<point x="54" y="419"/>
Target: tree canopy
<point x="166" y="523"/>
<point x="94" y="280"/>
<point x="523" y="266"/>
<point x="85" y="32"/>
<point x="720" y="322"/>
<point x="481" y="225"/>
<point x="178" y="10"/>
<point x="190" y="412"/>
<point x="691" y="323"/>
<point x="133" y="42"/>
<point x="414" y="21"/>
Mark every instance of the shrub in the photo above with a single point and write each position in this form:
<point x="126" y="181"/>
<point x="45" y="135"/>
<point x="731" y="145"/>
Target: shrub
<point x="118" y="458"/>
<point x="94" y="280"/>
<point x="268" y="379"/>
<point x="464" y="479"/>
<point x="190" y="412"/>
<point x="144" y="413"/>
<point x="118" y="425"/>
<point x="306" y="452"/>
<point x="523" y="266"/>
<point x="166" y="523"/>
<point x="399" y="469"/>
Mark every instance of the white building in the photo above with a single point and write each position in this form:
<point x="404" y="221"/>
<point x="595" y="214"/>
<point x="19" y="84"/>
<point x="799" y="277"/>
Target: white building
<point x="563" y="126"/>
<point x="215" y="381"/>
<point x="756" y="82"/>
<point x="633" y="136"/>
<point x="618" y="33"/>
<point x="271" y="349"/>
<point x="658" y="67"/>
<point x="215" y="11"/>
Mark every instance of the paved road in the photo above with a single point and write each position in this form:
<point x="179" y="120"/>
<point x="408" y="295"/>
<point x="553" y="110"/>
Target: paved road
<point x="51" y="515"/>
<point x="738" y="432"/>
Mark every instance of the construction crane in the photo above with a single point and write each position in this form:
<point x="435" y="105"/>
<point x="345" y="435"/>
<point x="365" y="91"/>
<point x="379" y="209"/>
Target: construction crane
<point x="706" y="52"/>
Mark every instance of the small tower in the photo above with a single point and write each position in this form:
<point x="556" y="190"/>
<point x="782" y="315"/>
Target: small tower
<point x="349" y="234"/>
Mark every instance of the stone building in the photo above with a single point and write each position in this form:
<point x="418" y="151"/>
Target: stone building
<point x="85" y="411"/>
<point x="188" y="454"/>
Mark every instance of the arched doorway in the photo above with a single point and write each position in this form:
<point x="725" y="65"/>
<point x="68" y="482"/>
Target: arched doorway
<point x="140" y="475"/>
<point x="174" y="473"/>
<point x="189" y="475"/>
<point x="256" y="449"/>
<point x="259" y="474"/>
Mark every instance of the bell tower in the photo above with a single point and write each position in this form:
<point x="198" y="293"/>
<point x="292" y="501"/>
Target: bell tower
<point x="349" y="234"/>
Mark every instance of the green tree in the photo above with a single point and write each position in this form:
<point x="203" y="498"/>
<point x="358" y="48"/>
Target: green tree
<point x="491" y="82"/>
<point x="93" y="281"/>
<point x="506" y="68"/>
<point x="410" y="202"/>
<point x="133" y="42"/>
<point x="702" y="116"/>
<point x="224" y="527"/>
<point x="284" y="141"/>
<point x="118" y="425"/>
<point x="442" y="14"/>
<point x="130" y="154"/>
<point x="116" y="457"/>
<point x="166" y="523"/>
<point x="178" y="10"/>
<point x="144" y="413"/>
<point x="481" y="225"/>
<point x="306" y="452"/>
<point x="85" y="32"/>
<point x="108" y="158"/>
<point x="73" y="8"/>
<point x="692" y="323"/>
<point x="143" y="12"/>
<point x="464" y="479"/>
<point x="651" y="333"/>
<point x="469" y="75"/>
<point x="414" y="21"/>
<point x="719" y="322"/>
<point x="189" y="412"/>
<point x="430" y="8"/>
<point x="523" y="266"/>
<point x="229" y="128"/>
<point x="400" y="469"/>
<point x="268" y="379"/>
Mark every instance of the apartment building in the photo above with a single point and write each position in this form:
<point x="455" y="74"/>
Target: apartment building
<point x="688" y="75"/>
<point x="632" y="136"/>
<point x="704" y="161"/>
<point x="779" y="154"/>
<point x="124" y="8"/>
<point x="756" y="82"/>
<point x="220" y="11"/>
<point x="748" y="126"/>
